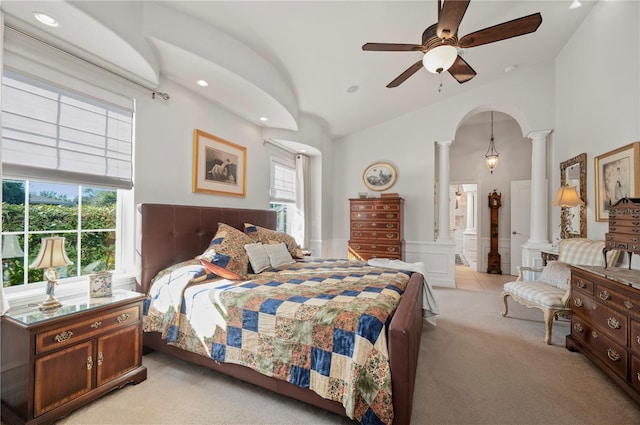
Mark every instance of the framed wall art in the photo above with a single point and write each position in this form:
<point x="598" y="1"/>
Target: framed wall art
<point x="617" y="176"/>
<point x="379" y="176"/>
<point x="100" y="285"/>
<point x="219" y="166"/>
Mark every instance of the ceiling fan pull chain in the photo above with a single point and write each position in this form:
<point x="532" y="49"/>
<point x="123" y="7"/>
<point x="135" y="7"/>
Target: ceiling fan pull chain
<point x="440" y="86"/>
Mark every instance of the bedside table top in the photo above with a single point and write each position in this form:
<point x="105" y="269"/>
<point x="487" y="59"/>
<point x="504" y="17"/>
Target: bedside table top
<point x="30" y="314"/>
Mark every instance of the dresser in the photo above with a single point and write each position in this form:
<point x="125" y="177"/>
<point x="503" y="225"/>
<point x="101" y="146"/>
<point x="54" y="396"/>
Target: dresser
<point x="54" y="362"/>
<point x="605" y="322"/>
<point x="624" y="227"/>
<point x="376" y="228"/>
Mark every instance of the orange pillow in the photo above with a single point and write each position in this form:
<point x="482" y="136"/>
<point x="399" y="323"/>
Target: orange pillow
<point x="220" y="271"/>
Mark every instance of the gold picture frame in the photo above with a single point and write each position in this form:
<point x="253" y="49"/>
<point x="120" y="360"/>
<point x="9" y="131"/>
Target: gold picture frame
<point x="617" y="176"/>
<point x="219" y="166"/>
<point x="379" y="176"/>
<point x="100" y="285"/>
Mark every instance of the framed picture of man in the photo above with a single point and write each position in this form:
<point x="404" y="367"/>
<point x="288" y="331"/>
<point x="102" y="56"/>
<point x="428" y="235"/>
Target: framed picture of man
<point x="617" y="177"/>
<point x="219" y="166"/>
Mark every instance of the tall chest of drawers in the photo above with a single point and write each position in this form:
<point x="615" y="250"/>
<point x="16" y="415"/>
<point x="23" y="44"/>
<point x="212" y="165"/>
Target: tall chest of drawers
<point x="605" y="322"/>
<point x="376" y="228"/>
<point x="624" y="227"/>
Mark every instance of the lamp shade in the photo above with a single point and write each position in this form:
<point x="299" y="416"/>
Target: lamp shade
<point x="52" y="254"/>
<point x="440" y="58"/>
<point x="11" y="247"/>
<point x="567" y="197"/>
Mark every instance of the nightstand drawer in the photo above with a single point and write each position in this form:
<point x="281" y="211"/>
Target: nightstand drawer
<point x="73" y="332"/>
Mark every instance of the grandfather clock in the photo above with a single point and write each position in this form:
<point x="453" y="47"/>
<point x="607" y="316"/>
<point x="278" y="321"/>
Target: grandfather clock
<point x="494" y="257"/>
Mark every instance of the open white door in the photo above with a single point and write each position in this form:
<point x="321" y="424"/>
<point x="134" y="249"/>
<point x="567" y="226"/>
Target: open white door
<point x="520" y="220"/>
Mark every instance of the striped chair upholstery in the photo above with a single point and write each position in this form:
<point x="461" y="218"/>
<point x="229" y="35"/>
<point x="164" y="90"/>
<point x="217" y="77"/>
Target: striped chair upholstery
<point x="551" y="290"/>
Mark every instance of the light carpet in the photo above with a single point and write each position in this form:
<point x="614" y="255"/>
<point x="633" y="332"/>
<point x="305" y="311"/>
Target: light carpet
<point x="475" y="367"/>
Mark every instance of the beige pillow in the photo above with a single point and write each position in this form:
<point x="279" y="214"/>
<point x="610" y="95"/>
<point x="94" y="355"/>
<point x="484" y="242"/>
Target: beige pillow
<point x="258" y="257"/>
<point x="267" y="236"/>
<point x="278" y="255"/>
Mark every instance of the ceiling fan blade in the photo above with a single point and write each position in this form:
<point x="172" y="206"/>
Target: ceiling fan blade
<point x="461" y="71"/>
<point x="406" y="74"/>
<point x="450" y="17"/>
<point x="517" y="27"/>
<point x="392" y="47"/>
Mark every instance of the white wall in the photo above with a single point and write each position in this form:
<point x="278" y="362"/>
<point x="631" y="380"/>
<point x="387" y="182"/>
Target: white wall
<point x="598" y="94"/>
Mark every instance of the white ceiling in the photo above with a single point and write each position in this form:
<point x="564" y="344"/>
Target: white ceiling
<point x="315" y="46"/>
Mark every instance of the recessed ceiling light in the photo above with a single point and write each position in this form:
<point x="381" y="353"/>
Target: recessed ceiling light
<point x="510" y="68"/>
<point x="46" y="19"/>
<point x="264" y="119"/>
<point x="352" y="89"/>
<point x="575" y="4"/>
<point x="202" y="83"/>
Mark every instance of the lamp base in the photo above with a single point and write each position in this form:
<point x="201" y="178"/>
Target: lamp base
<point x="51" y="303"/>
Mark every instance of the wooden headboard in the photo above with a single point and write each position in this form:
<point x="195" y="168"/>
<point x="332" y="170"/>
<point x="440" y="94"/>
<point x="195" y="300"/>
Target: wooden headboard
<point x="169" y="234"/>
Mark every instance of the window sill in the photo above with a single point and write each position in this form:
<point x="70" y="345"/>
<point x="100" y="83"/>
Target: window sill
<point x="35" y="292"/>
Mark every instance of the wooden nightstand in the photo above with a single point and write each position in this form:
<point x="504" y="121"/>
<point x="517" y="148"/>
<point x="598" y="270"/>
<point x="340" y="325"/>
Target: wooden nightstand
<point x="54" y="363"/>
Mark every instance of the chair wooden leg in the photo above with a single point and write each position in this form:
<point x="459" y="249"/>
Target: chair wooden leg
<point x="548" y="323"/>
<point x="506" y="306"/>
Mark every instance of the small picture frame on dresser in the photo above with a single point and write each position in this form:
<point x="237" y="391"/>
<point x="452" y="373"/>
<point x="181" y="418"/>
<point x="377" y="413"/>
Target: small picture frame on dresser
<point x="100" y="285"/>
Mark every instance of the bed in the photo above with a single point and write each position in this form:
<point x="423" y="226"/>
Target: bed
<point x="172" y="234"/>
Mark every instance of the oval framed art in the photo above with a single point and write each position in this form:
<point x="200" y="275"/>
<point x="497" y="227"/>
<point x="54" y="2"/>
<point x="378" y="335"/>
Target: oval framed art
<point x="379" y="176"/>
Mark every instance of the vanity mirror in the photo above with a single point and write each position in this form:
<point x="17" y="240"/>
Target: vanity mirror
<point x="573" y="220"/>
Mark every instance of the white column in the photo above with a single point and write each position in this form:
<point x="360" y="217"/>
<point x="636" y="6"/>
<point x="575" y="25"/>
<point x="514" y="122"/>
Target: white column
<point x="443" y="193"/>
<point x="470" y="190"/>
<point x="538" y="229"/>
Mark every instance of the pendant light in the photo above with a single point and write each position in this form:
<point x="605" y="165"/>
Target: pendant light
<point x="491" y="157"/>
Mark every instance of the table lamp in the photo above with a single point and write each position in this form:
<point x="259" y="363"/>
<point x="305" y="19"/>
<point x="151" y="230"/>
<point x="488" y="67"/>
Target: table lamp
<point x="52" y="254"/>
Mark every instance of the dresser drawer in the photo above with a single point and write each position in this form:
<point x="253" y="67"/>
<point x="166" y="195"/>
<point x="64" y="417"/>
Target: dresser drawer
<point x="361" y="206"/>
<point x="618" y="299"/>
<point x="634" y="337"/>
<point x="387" y="206"/>
<point x="380" y="235"/>
<point x="76" y="331"/>
<point x="634" y="375"/>
<point x="375" y="215"/>
<point x="612" y="354"/>
<point x="582" y="284"/>
<point x="608" y="321"/>
<point x="374" y="225"/>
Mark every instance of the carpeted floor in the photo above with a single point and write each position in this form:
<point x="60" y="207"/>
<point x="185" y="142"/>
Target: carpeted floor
<point x="475" y="367"/>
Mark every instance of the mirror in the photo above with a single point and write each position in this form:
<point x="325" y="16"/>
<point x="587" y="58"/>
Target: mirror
<point x="573" y="220"/>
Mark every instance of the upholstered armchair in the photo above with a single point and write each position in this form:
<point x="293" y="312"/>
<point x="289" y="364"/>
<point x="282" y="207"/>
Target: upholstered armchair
<point x="551" y="290"/>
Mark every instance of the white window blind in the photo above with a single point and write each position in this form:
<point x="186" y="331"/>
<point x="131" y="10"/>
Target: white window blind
<point x="52" y="133"/>
<point x="283" y="182"/>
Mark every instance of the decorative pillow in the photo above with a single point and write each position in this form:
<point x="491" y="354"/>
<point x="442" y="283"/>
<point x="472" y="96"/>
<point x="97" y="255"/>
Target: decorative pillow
<point x="227" y="250"/>
<point x="267" y="236"/>
<point x="557" y="274"/>
<point x="278" y="254"/>
<point x="258" y="257"/>
<point x="220" y="271"/>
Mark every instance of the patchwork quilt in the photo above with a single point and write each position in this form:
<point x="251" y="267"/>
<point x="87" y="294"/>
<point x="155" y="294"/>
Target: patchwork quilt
<point x="318" y="324"/>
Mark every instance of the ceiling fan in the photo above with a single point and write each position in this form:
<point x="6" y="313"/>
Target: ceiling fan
<point x="440" y="42"/>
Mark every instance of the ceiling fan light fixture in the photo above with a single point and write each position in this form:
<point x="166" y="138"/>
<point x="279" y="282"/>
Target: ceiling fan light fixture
<point x="440" y="58"/>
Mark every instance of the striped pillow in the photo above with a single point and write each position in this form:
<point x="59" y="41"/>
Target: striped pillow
<point x="585" y="252"/>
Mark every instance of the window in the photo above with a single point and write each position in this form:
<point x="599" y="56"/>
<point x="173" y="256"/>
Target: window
<point x="84" y="216"/>
<point x="67" y="161"/>
<point x="283" y="193"/>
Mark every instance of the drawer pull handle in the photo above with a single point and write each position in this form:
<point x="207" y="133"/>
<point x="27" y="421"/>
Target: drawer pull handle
<point x="361" y="207"/>
<point x="356" y="247"/>
<point x="374" y="233"/>
<point x="359" y="215"/>
<point x="578" y="302"/>
<point x="390" y="226"/>
<point x="594" y="334"/>
<point x="389" y="215"/>
<point x="63" y="336"/>
<point x="578" y="327"/>
<point x="96" y="325"/>
<point x="391" y="235"/>
<point x="122" y="318"/>
<point x="358" y="233"/>
<point x="604" y="295"/>
<point x="100" y="358"/>
<point x="638" y="376"/>
<point x="386" y="207"/>
<point x="594" y="306"/>
<point x="613" y="323"/>
<point x="374" y="224"/>
<point x="613" y="354"/>
<point x="628" y="304"/>
<point x="358" y="225"/>
<point x="89" y="363"/>
<point x="638" y="339"/>
<point x="581" y="284"/>
<point x="391" y="248"/>
<point x="374" y="215"/>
